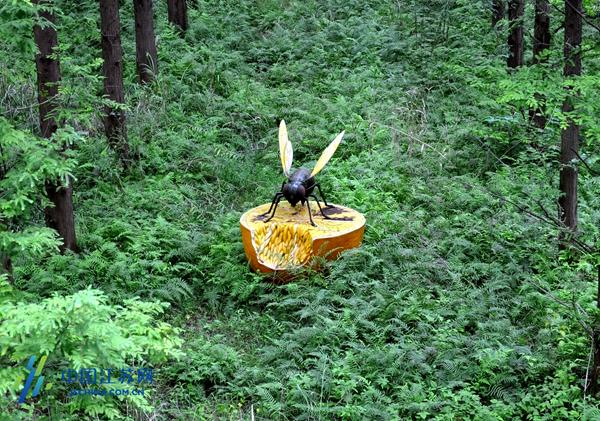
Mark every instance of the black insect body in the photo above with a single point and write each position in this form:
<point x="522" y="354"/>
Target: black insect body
<point x="299" y="188"/>
<point x="301" y="184"/>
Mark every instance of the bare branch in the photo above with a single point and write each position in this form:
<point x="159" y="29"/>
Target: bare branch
<point x="37" y="104"/>
<point x="592" y="24"/>
<point x="431" y="248"/>
<point x="568" y="306"/>
<point x="521" y="208"/>
<point x="585" y="163"/>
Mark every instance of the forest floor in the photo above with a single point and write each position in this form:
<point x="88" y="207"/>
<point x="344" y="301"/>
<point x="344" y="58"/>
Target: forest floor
<point x="440" y="314"/>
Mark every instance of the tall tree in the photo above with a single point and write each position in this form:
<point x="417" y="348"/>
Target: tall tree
<point x="114" y="121"/>
<point x="570" y="135"/>
<point x="541" y="43"/>
<point x="541" y="30"/>
<point x="177" y="11"/>
<point x="5" y="261"/>
<point x="145" y="46"/>
<point x="516" y="9"/>
<point x="60" y="216"/>
<point x="6" y="268"/>
<point x="498" y="11"/>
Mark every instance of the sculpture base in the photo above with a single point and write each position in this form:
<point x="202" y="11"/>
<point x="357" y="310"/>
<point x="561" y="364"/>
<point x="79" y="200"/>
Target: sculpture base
<point x="289" y="240"/>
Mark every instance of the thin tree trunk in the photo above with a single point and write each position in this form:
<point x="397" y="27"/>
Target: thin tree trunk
<point x="48" y="70"/>
<point x="516" y="8"/>
<point x="498" y="11"/>
<point x="541" y="43"/>
<point x="60" y="216"/>
<point x="570" y="135"/>
<point x="145" y="47"/>
<point x="177" y="11"/>
<point x="6" y="263"/>
<point x="594" y="385"/>
<point x="541" y="32"/>
<point x="7" y="269"/>
<point x="114" y="122"/>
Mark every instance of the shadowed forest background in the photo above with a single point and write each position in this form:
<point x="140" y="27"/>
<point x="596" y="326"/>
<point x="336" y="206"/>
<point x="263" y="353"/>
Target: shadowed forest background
<point x="475" y="293"/>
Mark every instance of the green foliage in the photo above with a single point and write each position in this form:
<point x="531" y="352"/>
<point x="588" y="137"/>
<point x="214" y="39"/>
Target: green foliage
<point x="27" y="163"/>
<point x="15" y="21"/>
<point x="82" y="331"/>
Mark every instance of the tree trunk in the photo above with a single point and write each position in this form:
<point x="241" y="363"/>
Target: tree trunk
<point x="177" y="10"/>
<point x="570" y="135"/>
<point x="516" y="8"/>
<point x="6" y="263"/>
<point x="60" y="217"/>
<point x="145" y="47"/>
<point x="7" y="269"/>
<point x="114" y="122"/>
<point x="541" y="31"/>
<point x="48" y="71"/>
<point x="541" y="43"/>
<point x="593" y="387"/>
<point x="498" y="11"/>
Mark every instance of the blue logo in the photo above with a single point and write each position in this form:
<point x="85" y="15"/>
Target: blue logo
<point x="86" y="377"/>
<point x="105" y="377"/>
<point x="32" y="374"/>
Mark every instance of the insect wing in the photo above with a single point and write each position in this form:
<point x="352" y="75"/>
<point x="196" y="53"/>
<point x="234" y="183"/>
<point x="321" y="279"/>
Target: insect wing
<point x="327" y="154"/>
<point x="285" y="149"/>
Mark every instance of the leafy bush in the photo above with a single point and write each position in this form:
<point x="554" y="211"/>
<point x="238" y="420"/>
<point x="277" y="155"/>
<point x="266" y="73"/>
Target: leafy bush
<point x="80" y="331"/>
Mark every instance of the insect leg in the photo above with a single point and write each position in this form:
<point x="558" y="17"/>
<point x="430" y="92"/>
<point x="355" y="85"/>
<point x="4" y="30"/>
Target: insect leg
<point x="310" y="215"/>
<point x="278" y="197"/>
<point x="321" y="209"/>
<point x="278" y="194"/>
<point x="324" y="200"/>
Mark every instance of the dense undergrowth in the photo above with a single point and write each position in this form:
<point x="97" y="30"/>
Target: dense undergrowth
<point x="440" y="314"/>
